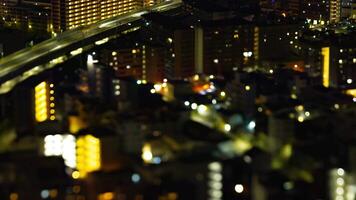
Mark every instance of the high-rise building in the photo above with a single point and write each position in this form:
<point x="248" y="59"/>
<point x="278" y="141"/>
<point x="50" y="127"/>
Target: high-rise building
<point x="146" y="63"/>
<point x="331" y="56"/>
<point x="27" y="15"/>
<point x="68" y="14"/>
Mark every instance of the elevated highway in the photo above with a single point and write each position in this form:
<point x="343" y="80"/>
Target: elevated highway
<point x="31" y="61"/>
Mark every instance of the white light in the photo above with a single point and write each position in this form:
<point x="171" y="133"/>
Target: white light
<point x="215" y="185"/>
<point x="44" y="194"/>
<point x="215" y="166"/>
<point x="194" y="106"/>
<point x="247" y="88"/>
<point x="135" y="178"/>
<point x="340" y="172"/>
<point x="339" y="198"/>
<point x="202" y="109"/>
<point x="349" y="81"/>
<point x="153" y="91"/>
<point x="239" y="188"/>
<point x="247" y="159"/>
<point x="216" y="61"/>
<point x="247" y="54"/>
<point x="215" y="193"/>
<point x="214" y="101"/>
<point x="222" y="94"/>
<point x="227" y="127"/>
<point x="186" y="103"/>
<point x="139" y="82"/>
<point x="251" y="125"/>
<point x="340" y="191"/>
<point x="340" y="181"/>
<point x="215" y="176"/>
<point x="307" y="114"/>
<point x="354" y="99"/>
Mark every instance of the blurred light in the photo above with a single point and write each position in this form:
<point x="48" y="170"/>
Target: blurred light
<point x="340" y="191"/>
<point x="106" y="196"/>
<point x="157" y="87"/>
<point x="44" y="194"/>
<point x="222" y="94"/>
<point x="251" y="126"/>
<point x="214" y="101"/>
<point x="147" y="155"/>
<point x="139" y="82"/>
<point x="247" y="54"/>
<point x="88" y="154"/>
<point x="196" y="77"/>
<point x="215" y="185"/>
<point x="153" y="91"/>
<point x="336" y="106"/>
<point x="239" y="188"/>
<point x="247" y="159"/>
<point x="216" y="61"/>
<point x="247" y="88"/>
<point x="215" y="166"/>
<point x="349" y="81"/>
<point x="215" y="176"/>
<point x="194" y="106"/>
<point x="340" y="172"/>
<point x="215" y="193"/>
<point x="227" y="127"/>
<point x="202" y="109"/>
<point x="326" y="66"/>
<point x="14" y="196"/>
<point x="307" y="113"/>
<point x="300" y="119"/>
<point x="288" y="185"/>
<point x="76" y="175"/>
<point x="186" y="103"/>
<point x="156" y="160"/>
<point x="41" y="102"/>
<point x="340" y="181"/>
<point x="135" y="178"/>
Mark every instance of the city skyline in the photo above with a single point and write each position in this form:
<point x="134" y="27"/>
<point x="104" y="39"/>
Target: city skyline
<point x="177" y="100"/>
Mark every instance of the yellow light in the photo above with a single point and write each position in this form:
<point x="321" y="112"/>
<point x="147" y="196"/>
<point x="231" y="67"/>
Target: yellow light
<point x="147" y="155"/>
<point x="326" y="66"/>
<point x="88" y="154"/>
<point x="247" y="88"/>
<point x="222" y="94"/>
<point x="14" y="196"/>
<point x="300" y="119"/>
<point x="106" y="196"/>
<point x="196" y="77"/>
<point x="76" y="175"/>
<point x="41" y="98"/>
